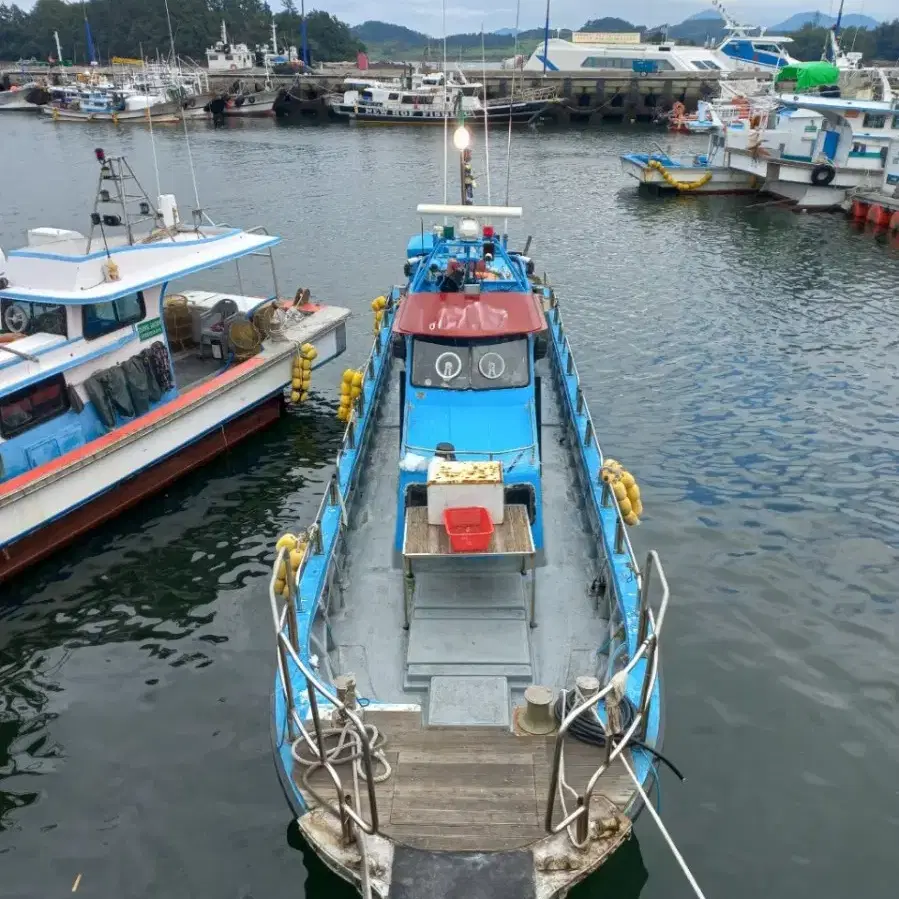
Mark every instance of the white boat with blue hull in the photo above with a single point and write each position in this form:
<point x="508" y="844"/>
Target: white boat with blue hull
<point x="112" y="385"/>
<point x="449" y="718"/>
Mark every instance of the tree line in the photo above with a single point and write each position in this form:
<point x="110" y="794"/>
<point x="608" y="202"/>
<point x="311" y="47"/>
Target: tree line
<point x="129" y="28"/>
<point x="880" y="44"/>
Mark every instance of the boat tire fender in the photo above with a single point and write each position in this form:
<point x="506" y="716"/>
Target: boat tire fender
<point x="251" y="100"/>
<point x="823" y="174"/>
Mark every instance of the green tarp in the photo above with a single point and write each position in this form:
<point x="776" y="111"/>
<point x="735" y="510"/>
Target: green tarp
<point x="809" y="74"/>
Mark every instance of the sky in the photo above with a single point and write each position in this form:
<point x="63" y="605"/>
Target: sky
<point x="469" y="15"/>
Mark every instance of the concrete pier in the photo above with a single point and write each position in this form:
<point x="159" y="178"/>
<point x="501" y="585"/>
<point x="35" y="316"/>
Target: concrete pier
<point x="585" y="97"/>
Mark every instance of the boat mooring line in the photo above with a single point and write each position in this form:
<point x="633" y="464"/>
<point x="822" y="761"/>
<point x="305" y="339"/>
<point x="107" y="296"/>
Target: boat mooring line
<point x="668" y="839"/>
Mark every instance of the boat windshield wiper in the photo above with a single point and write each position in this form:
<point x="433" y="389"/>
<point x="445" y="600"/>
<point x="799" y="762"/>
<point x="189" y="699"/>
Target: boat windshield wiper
<point x="26" y="356"/>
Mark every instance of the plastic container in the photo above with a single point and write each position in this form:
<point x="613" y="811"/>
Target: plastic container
<point x="469" y="529"/>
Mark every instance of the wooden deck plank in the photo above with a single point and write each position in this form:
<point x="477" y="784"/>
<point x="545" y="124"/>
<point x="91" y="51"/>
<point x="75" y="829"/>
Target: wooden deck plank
<point x="458" y="788"/>
<point x="512" y="537"/>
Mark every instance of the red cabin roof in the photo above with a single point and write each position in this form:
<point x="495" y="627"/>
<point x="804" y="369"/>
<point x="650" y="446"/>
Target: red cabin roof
<point x="488" y="314"/>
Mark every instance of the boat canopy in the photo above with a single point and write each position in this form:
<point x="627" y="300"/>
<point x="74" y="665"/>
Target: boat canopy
<point x="466" y="316"/>
<point x="809" y="74"/>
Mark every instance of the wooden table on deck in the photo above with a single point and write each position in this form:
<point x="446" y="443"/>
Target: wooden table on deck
<point x="430" y="541"/>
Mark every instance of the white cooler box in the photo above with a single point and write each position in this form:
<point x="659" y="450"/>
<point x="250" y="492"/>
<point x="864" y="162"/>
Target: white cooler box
<point x="453" y="485"/>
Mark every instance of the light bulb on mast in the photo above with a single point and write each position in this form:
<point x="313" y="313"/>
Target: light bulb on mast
<point x="461" y="138"/>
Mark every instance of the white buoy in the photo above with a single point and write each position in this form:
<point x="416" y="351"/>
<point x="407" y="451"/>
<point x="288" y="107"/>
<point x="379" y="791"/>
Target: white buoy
<point x="168" y="208"/>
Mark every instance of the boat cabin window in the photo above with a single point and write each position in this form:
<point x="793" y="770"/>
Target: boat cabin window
<point x="21" y="317"/>
<point x="874" y="120"/>
<point x="29" y="407"/>
<point x="896" y="122"/>
<point x="454" y="365"/>
<point x="767" y="48"/>
<point x="98" y="319"/>
<point x="393" y="96"/>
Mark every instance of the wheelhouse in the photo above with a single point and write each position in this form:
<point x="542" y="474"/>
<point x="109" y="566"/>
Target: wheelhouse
<point x="470" y="331"/>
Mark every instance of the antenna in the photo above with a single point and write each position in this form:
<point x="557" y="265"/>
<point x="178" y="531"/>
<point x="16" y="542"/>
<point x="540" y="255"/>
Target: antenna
<point x="545" y="47"/>
<point x="445" y="119"/>
<point x="511" y="107"/>
<point x="486" y="113"/>
<point x="198" y="212"/>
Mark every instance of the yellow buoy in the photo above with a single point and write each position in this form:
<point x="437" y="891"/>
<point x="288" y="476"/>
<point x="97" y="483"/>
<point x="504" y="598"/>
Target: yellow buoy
<point x="294" y="396"/>
<point x="357" y="379"/>
<point x="631" y="519"/>
<point x="304" y="396"/>
<point x="355" y="391"/>
<point x="638" y="507"/>
<point x="625" y="506"/>
<point x="288" y="541"/>
<point x="627" y="479"/>
<point x="296" y="383"/>
<point x="296" y="556"/>
<point x="619" y="490"/>
<point x="348" y="376"/>
<point x="633" y="492"/>
<point x="280" y="586"/>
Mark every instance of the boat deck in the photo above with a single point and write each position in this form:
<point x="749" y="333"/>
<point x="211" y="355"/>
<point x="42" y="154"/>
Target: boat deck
<point x="472" y="788"/>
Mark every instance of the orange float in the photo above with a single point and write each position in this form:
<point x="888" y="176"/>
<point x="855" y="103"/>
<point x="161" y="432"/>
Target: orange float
<point x="878" y="216"/>
<point x="894" y="221"/>
<point x="859" y="210"/>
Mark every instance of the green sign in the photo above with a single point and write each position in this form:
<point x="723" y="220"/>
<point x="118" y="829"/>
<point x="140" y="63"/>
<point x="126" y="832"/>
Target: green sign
<point x="148" y="329"/>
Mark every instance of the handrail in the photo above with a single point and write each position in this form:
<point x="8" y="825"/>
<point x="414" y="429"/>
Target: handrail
<point x="288" y="644"/>
<point x="650" y="629"/>
<point x="569" y="369"/>
<point x="313" y="686"/>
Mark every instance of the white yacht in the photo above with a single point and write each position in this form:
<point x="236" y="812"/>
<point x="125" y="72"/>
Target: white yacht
<point x="740" y="51"/>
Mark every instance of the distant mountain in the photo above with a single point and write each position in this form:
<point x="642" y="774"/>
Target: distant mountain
<point x="794" y="23"/>
<point x="374" y="32"/>
<point x="698" y="29"/>
<point x="505" y="32"/>
<point x="610" y="23"/>
<point x="705" y="14"/>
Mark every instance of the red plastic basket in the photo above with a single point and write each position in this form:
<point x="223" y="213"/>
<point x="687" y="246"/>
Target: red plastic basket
<point x="469" y="529"/>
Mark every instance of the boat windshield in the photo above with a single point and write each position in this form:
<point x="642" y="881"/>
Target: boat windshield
<point x="457" y="365"/>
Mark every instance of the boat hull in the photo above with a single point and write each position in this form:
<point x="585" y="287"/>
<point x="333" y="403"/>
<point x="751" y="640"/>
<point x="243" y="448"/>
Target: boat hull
<point x="254" y="106"/>
<point x="687" y="178"/>
<point x="521" y="113"/>
<point x="129" y="492"/>
<point x="67" y="496"/>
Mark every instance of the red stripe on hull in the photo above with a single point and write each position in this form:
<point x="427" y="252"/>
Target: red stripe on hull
<point x="124" y="495"/>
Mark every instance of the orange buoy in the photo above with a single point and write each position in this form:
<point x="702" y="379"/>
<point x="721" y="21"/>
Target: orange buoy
<point x="859" y="210"/>
<point x="878" y="216"/>
<point x="894" y="221"/>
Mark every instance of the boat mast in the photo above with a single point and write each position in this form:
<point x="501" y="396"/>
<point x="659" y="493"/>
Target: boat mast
<point x="545" y="40"/>
<point x="832" y="42"/>
<point x="58" y="47"/>
<point x="274" y="37"/>
<point x="305" y="43"/>
<point x="91" y="49"/>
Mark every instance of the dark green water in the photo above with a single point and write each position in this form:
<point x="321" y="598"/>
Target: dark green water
<point x="742" y="360"/>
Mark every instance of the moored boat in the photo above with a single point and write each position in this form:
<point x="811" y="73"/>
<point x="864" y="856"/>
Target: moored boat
<point x="467" y="694"/>
<point x="112" y="385"/>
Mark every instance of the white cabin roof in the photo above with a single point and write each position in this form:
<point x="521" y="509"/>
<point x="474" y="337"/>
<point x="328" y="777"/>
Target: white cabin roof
<point x="64" y="273"/>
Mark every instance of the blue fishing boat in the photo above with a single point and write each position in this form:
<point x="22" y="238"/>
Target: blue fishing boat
<point x="467" y="693"/>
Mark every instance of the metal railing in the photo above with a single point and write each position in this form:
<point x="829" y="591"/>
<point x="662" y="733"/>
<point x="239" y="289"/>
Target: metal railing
<point x="649" y="631"/>
<point x="649" y="627"/>
<point x="286" y="622"/>
<point x="285" y="619"/>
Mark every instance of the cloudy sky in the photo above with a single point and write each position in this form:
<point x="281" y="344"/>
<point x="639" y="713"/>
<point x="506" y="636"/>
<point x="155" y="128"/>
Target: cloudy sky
<point x="468" y="15"/>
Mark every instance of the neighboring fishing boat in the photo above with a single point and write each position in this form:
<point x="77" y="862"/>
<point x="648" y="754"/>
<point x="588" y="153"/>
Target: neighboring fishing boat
<point x="804" y="152"/>
<point x="111" y="384"/>
<point x="429" y="98"/>
<point x="467" y="698"/>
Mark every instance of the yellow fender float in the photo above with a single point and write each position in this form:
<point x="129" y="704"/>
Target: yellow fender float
<point x="673" y="182"/>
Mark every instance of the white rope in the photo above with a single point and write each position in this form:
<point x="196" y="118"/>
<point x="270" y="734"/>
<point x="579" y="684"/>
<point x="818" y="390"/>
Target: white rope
<point x="445" y="121"/>
<point x="153" y="143"/>
<point x="190" y="156"/>
<point x="347" y="749"/>
<point x="655" y="816"/>
<point x="486" y="116"/>
<point x="511" y="105"/>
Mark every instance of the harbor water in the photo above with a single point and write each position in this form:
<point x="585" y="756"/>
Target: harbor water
<point x="740" y="359"/>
